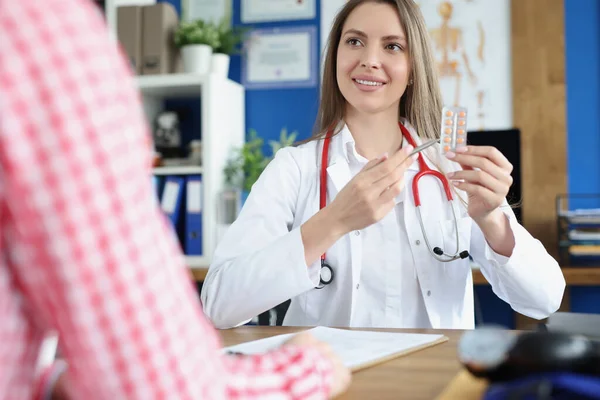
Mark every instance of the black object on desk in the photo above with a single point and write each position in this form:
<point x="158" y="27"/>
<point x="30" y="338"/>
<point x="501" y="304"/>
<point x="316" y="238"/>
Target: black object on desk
<point x="500" y="355"/>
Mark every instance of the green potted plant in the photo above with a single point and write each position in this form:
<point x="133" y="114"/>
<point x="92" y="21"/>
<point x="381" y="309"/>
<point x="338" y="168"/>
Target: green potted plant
<point x="248" y="162"/>
<point x="197" y="41"/>
<point x="229" y="40"/>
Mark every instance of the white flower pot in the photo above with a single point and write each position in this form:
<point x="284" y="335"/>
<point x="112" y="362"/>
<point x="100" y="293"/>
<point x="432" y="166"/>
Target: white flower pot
<point x="220" y="65"/>
<point x="196" y="58"/>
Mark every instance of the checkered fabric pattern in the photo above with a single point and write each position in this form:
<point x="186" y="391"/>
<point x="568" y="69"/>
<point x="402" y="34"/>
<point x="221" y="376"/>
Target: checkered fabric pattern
<point x="84" y="247"/>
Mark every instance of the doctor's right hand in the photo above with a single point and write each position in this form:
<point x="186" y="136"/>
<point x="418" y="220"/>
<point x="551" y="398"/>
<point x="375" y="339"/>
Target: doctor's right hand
<point x="370" y="195"/>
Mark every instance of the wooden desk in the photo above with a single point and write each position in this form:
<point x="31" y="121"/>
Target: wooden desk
<point x="574" y="276"/>
<point x="420" y="375"/>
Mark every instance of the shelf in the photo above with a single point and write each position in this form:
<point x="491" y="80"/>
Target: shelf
<point x="179" y="170"/>
<point x="196" y="262"/>
<point x="120" y="3"/>
<point x="171" y="85"/>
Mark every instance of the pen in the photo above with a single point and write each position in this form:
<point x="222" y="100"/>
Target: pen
<point x="423" y="147"/>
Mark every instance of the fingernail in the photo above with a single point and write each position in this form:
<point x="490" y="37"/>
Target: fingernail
<point x="450" y="154"/>
<point x="384" y="155"/>
<point x="409" y="148"/>
<point x="456" y="183"/>
<point x="462" y="149"/>
<point x="450" y="174"/>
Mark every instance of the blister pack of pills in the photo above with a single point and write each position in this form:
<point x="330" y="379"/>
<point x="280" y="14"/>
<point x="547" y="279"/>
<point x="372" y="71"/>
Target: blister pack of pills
<point x="454" y="129"/>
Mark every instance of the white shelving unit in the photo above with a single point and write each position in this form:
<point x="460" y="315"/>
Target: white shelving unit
<point x="222" y="115"/>
<point x="182" y="170"/>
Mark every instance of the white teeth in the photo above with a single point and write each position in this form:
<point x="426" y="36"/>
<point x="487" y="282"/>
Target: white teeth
<point x="369" y="83"/>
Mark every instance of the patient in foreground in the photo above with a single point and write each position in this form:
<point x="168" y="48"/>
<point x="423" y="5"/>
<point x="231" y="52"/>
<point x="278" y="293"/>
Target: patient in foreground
<point x="85" y="250"/>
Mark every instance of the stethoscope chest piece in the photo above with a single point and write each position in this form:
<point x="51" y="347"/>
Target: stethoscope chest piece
<point x="326" y="275"/>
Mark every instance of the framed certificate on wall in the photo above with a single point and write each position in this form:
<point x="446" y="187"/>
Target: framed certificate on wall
<point x="277" y="10"/>
<point x="281" y="58"/>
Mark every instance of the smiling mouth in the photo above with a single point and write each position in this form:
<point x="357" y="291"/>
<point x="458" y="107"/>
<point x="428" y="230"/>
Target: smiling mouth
<point x="368" y="83"/>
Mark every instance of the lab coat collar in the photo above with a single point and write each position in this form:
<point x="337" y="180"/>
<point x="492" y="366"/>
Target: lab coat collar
<point x="344" y="141"/>
<point x="339" y="161"/>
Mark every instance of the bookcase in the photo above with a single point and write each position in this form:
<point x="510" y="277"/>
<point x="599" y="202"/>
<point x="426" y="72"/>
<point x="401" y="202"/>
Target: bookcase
<point x="221" y="113"/>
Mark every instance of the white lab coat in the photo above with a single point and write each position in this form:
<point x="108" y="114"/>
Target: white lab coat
<point x="260" y="261"/>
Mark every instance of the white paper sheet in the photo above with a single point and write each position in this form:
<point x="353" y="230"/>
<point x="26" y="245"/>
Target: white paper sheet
<point x="355" y="348"/>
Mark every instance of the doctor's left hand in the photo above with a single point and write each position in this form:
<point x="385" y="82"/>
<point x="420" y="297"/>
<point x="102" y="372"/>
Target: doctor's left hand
<point x="485" y="178"/>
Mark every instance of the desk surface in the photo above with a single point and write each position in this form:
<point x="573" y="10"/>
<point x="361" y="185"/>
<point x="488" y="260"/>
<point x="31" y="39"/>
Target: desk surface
<point x="420" y="375"/>
<point x="583" y="276"/>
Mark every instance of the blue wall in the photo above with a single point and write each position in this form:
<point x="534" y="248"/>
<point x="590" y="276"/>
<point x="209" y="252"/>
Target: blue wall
<point x="582" y="53"/>
<point x="268" y="111"/>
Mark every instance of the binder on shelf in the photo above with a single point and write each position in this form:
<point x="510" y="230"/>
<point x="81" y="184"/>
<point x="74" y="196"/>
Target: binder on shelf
<point x="159" y="53"/>
<point x="157" y="185"/>
<point x="193" y="215"/>
<point x="172" y="197"/>
<point x="129" y="32"/>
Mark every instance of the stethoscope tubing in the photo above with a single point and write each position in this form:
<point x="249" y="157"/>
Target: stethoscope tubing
<point x="423" y="170"/>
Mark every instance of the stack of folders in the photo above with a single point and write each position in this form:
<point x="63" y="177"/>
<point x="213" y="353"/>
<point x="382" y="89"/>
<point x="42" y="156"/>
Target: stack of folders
<point x="181" y="199"/>
<point x="584" y="232"/>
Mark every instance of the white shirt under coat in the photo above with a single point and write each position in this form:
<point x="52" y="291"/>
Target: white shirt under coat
<point x="384" y="274"/>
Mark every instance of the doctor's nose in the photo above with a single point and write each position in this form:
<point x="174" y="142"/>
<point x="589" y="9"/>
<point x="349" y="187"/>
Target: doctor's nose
<point x="371" y="60"/>
<point x="371" y="64"/>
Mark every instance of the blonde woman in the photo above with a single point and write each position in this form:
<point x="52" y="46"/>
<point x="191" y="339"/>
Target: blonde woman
<point x="332" y="224"/>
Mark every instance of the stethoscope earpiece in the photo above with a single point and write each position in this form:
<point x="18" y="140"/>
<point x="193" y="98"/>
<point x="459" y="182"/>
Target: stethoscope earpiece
<point x="462" y="255"/>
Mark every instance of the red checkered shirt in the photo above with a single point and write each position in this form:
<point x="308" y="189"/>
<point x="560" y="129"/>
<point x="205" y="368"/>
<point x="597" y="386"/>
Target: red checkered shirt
<point x="84" y="247"/>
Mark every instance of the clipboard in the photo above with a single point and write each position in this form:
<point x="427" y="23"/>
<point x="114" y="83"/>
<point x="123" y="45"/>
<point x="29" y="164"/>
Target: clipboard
<point x="358" y="349"/>
<point x="398" y="354"/>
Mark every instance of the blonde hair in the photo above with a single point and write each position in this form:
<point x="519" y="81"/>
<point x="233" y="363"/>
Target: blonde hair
<point x="421" y="103"/>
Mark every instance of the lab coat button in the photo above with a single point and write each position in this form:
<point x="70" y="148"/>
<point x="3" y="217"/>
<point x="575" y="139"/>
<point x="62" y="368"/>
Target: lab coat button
<point x="357" y="233"/>
<point x="428" y="293"/>
<point x="357" y="286"/>
<point x="418" y="242"/>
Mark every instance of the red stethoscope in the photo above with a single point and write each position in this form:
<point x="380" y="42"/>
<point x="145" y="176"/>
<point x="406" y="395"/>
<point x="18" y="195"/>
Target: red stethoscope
<point x="326" y="274"/>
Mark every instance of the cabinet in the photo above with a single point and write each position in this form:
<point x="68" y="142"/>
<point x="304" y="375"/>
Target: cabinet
<point x="222" y="127"/>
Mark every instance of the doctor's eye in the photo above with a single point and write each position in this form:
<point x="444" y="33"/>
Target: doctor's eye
<point x="353" y="42"/>
<point x="394" y="47"/>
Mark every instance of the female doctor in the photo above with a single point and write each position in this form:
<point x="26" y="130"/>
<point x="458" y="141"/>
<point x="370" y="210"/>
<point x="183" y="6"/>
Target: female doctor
<point x="333" y="224"/>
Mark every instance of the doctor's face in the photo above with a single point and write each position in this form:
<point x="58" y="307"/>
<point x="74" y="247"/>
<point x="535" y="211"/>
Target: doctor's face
<point x="372" y="60"/>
